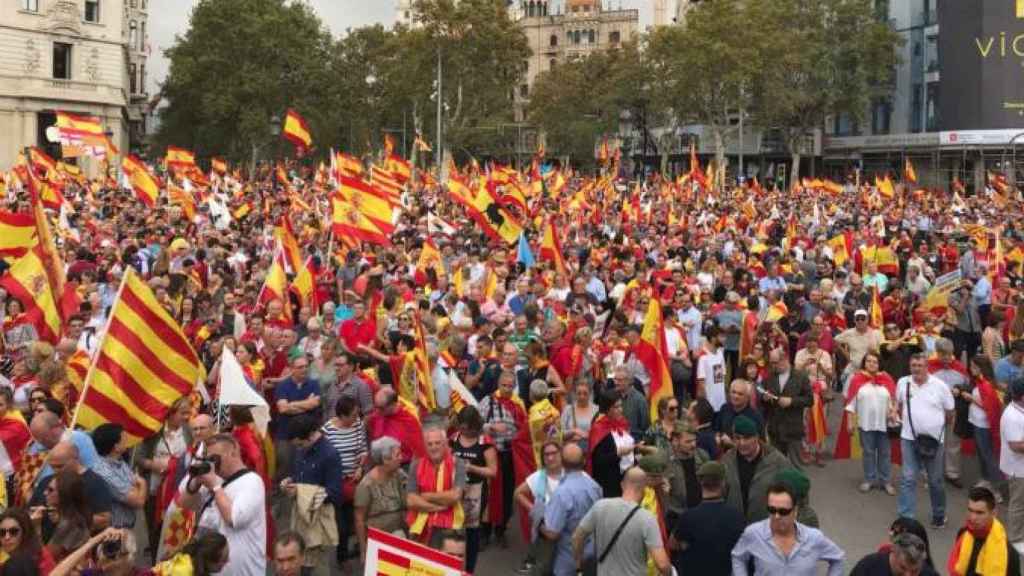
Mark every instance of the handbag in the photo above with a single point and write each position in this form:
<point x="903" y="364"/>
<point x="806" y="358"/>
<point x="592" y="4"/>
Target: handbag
<point x="925" y="446"/>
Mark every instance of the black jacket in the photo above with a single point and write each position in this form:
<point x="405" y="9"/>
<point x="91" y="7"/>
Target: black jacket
<point x="787" y="424"/>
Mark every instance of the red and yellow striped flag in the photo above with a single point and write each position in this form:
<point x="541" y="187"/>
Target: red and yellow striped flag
<point x="179" y="196"/>
<point x="386" y="185"/>
<point x="292" y="254"/>
<point x="875" y="318"/>
<point x="26" y="280"/>
<point x="363" y="197"/>
<point x="179" y="157"/>
<point x="143" y="365"/>
<point x="17" y="233"/>
<point x="219" y="165"/>
<point x="143" y="183"/>
<point x="296" y="130"/>
<point x="303" y="287"/>
<point x="350" y="222"/>
<point x="551" y="248"/>
<point x="275" y="285"/>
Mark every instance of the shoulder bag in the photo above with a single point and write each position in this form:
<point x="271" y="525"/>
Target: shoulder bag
<point x="925" y="446"/>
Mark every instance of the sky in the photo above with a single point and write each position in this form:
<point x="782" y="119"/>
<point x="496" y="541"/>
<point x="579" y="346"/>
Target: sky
<point x="168" y="18"/>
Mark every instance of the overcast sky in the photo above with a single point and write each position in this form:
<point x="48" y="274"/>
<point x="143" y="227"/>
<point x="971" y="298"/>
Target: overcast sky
<point x="170" y="17"/>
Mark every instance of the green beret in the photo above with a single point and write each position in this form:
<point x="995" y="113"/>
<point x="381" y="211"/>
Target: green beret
<point x="712" y="471"/>
<point x="683" y="428"/>
<point x="797" y="482"/>
<point x="744" y="426"/>
<point x="653" y="463"/>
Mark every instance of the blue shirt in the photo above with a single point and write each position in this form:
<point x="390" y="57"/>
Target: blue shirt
<point x="87" y="455"/>
<point x="1006" y="370"/>
<point x="288" y="390"/>
<point x="812" y="547"/>
<point x="574" y="497"/>
<point x="320" y="465"/>
<point x="771" y="283"/>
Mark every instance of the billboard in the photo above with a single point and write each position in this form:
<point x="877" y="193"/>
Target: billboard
<point x="981" y="62"/>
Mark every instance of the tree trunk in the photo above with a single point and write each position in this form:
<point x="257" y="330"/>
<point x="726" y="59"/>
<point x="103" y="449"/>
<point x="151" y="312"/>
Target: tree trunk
<point x="719" y="155"/>
<point x="794" y="170"/>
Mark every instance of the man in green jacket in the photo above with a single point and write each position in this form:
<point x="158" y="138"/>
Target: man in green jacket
<point x="685" y="460"/>
<point x="750" y="468"/>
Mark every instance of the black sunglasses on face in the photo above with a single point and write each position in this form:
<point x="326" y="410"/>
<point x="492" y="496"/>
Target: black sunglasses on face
<point x="783" y="512"/>
<point x="13" y="532"/>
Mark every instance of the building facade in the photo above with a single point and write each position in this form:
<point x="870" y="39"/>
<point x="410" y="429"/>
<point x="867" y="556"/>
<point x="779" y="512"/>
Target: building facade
<point x="956" y="106"/>
<point x="80" y="56"/>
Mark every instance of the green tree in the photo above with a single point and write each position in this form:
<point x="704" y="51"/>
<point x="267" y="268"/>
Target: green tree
<point x="241" y="63"/>
<point x="825" y="57"/>
<point x="702" y="69"/>
<point x="585" y="99"/>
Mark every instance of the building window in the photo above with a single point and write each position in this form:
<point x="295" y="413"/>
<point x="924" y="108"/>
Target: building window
<point x="592" y="38"/>
<point x="577" y="36"/>
<point x="143" y="4"/>
<point x="61" y="61"/>
<point x="132" y="80"/>
<point x="142" y="37"/>
<point x="916" y="108"/>
<point x="932" y="118"/>
<point x="92" y="11"/>
<point x="554" y="40"/>
<point x="142" y="78"/>
<point x="134" y="3"/>
<point x="552" y="64"/>
<point x="524" y="90"/>
<point x="614" y="37"/>
<point x="881" y="111"/>
<point x="30" y="5"/>
<point x="133" y="34"/>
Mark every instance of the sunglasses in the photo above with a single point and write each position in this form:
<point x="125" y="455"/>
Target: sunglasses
<point x="782" y="512"/>
<point x="10" y="532"/>
<point x="673" y="408"/>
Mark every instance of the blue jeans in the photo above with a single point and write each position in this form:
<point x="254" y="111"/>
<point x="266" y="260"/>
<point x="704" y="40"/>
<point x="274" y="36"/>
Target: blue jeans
<point x="912" y="467"/>
<point x="986" y="459"/>
<point x="877" y="458"/>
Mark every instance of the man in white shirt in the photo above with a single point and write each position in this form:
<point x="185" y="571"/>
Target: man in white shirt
<point x="925" y="404"/>
<point x="690" y="320"/>
<point x="1011" y="463"/>
<point x="229" y="499"/>
<point x="711" y="370"/>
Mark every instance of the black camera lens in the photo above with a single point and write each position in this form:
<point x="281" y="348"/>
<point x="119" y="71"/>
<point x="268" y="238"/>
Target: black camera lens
<point x="110" y="548"/>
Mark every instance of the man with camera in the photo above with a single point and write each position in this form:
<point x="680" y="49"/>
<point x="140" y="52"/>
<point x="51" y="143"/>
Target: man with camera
<point x="230" y="499"/>
<point x="925" y="405"/>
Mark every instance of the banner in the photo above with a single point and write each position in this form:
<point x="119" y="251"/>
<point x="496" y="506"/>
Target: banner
<point x="388" y="555"/>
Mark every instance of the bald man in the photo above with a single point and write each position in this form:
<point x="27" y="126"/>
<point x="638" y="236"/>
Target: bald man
<point x="575" y="495"/>
<point x="639" y="534"/>
<point x="48" y="430"/>
<point x="64" y="456"/>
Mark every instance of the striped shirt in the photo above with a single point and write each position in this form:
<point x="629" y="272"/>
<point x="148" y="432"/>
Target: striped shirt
<point x="349" y="442"/>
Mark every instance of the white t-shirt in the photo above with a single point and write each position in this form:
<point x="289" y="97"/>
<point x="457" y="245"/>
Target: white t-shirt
<point x="976" y="414"/>
<point x="533" y="483"/>
<point x="711" y="369"/>
<point x="247" y="537"/>
<point x="674" y="341"/>
<point x="930" y="401"/>
<point x="1011" y="429"/>
<point x="872" y="407"/>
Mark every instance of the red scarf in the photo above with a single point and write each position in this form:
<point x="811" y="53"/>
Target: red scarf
<point x="936" y="364"/>
<point x="604" y="425"/>
<point x="427" y="480"/>
<point x="992" y="406"/>
<point x="861" y="378"/>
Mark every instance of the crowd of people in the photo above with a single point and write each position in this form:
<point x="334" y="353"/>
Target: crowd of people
<point x="646" y="395"/>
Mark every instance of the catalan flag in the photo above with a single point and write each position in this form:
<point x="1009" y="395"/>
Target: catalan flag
<point x="551" y="248"/>
<point x="297" y="131"/>
<point x="143" y="365"/>
<point x="143" y="183"/>
<point x="26" y="280"/>
<point x="386" y="185"/>
<point x="41" y="161"/>
<point x="17" y="233"/>
<point x="654" y="356"/>
<point x="362" y="195"/>
<point x="179" y="157"/>
<point x="424" y="382"/>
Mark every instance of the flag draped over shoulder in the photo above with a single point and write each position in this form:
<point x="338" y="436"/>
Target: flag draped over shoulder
<point x="654" y="356"/>
<point x="296" y="130"/>
<point x="143" y="365"/>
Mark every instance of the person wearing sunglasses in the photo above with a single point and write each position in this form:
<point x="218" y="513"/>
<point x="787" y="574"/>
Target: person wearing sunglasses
<point x="18" y="539"/>
<point x="780" y="545"/>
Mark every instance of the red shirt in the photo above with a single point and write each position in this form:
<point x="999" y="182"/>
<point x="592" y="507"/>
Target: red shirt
<point x="355" y="332"/>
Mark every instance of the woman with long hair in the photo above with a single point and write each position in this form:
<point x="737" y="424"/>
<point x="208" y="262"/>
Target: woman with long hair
<point x="660" y="433"/>
<point x="18" y="538"/>
<point x="481" y="457"/>
<point x="66" y="508"/>
<point x="577" y="417"/>
<point x="984" y="413"/>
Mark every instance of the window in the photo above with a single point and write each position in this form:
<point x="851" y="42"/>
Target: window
<point x="132" y="80"/>
<point x="61" y="61"/>
<point x="916" y="108"/>
<point x="614" y="37"/>
<point x="881" y="111"/>
<point x="30" y="5"/>
<point x="92" y="11"/>
<point x="591" y="37"/>
<point x="142" y="78"/>
<point x="524" y="90"/>
<point x="142" y="37"/>
<point x="143" y="4"/>
<point x="133" y="34"/>
<point x="932" y="117"/>
<point x="552" y="64"/>
<point x="554" y="41"/>
<point x="134" y="3"/>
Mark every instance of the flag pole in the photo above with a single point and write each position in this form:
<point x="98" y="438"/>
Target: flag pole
<point x="99" y="346"/>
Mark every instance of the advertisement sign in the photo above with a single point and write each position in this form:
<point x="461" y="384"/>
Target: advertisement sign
<point x="981" y="64"/>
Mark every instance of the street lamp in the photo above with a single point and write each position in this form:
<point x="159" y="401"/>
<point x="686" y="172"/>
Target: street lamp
<point x="275" y="131"/>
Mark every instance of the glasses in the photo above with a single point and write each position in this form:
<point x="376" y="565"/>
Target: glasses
<point x="12" y="532"/>
<point x="37" y="399"/>
<point x="673" y="408"/>
<point x="781" y="512"/>
<point x="551" y="452"/>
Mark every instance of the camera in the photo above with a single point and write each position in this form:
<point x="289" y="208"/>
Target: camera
<point x="110" y="549"/>
<point x="201" y="466"/>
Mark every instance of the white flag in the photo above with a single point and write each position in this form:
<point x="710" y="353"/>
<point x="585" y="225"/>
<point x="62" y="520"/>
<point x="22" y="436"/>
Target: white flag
<point x="235" y="391"/>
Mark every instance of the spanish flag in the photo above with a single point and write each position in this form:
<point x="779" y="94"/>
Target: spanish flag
<point x="350" y="222"/>
<point x="292" y="254"/>
<point x="496" y="222"/>
<point x="908" y="172"/>
<point x="143" y="365"/>
<point x="362" y="195"/>
<point x="551" y="248"/>
<point x="840" y="255"/>
<point x="17" y="233"/>
<point x="242" y="211"/>
<point x="219" y="165"/>
<point x="179" y="157"/>
<point x="182" y="198"/>
<point x="654" y="356"/>
<point x="430" y="257"/>
<point x="143" y="183"/>
<point x="304" y="288"/>
<point x="41" y="161"/>
<point x="776" y="312"/>
<point x="876" y="320"/>
<point x="26" y="280"/>
<point x="275" y="285"/>
<point x="399" y="168"/>
<point x="348" y="165"/>
<point x="885" y="187"/>
<point x="296" y="130"/>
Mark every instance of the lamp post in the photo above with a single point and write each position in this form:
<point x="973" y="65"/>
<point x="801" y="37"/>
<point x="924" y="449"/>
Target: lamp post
<point x="275" y="131"/>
